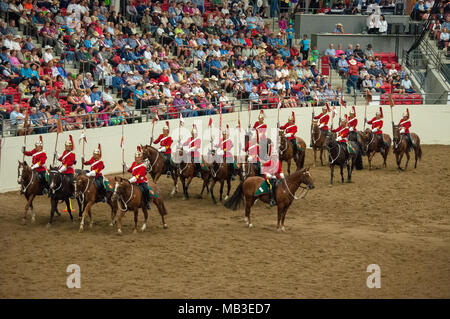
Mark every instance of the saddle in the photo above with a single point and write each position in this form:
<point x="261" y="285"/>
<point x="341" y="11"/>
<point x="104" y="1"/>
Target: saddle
<point x="265" y="188"/>
<point x="350" y="148"/>
<point x="107" y="185"/>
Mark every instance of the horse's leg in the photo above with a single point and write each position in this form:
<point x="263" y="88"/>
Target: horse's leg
<point x="183" y="183"/>
<point x="33" y="214"/>
<point x="157" y="176"/>
<point x="349" y="171"/>
<point x="83" y="216"/>
<point x="248" y="206"/>
<point x="119" y="222"/>
<point x="80" y="207"/>
<point x="399" y="161"/>
<point x="187" y="186"/>
<point x="211" y="190"/>
<point x="222" y="182"/>
<point x="136" y="212"/>
<point x="113" y="213"/>
<point x="289" y="166"/>
<point x="27" y="206"/>
<point x="175" y="181"/>
<point x="369" y="158"/>
<point x="144" y="210"/>
<point x="279" y="215"/>
<point x="407" y="158"/>
<point x="69" y="209"/>
<point x="321" y="156"/>
<point x="315" y="156"/>
<point x="342" y="172"/>
<point x="54" y="204"/>
<point x="228" y="189"/>
<point x="416" y="157"/>
<point x="332" y="173"/>
<point x="283" y="216"/>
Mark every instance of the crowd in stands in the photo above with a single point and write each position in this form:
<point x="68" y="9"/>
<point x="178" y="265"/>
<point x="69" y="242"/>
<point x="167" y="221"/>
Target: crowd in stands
<point x="349" y="6"/>
<point x="185" y="57"/>
<point x="440" y="26"/>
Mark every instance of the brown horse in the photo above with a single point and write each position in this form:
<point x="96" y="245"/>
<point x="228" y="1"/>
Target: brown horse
<point x="156" y="165"/>
<point x="186" y="172"/>
<point x="30" y="187"/>
<point x="285" y="194"/>
<point x="370" y="145"/>
<point x="219" y="173"/>
<point x="246" y="169"/>
<point x="86" y="192"/>
<point x="401" y="147"/>
<point x="287" y="151"/>
<point x="317" y="141"/>
<point x="129" y="197"/>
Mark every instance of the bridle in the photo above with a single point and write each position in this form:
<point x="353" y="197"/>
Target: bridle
<point x="125" y="203"/>
<point x="302" y="194"/>
<point x="285" y="145"/>
<point x="19" y="177"/>
<point x="151" y="165"/>
<point x="371" y="141"/>
<point x="313" y="133"/>
<point x="61" y="181"/>
<point x="396" y="145"/>
<point x="339" y="152"/>
<point x="85" y="190"/>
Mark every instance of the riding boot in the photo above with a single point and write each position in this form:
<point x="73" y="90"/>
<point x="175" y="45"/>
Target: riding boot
<point x="381" y="142"/>
<point x="231" y="170"/>
<point x="272" y="197"/>
<point x="147" y="199"/>
<point x="167" y="167"/>
<point x="198" y="168"/>
<point x="71" y="186"/>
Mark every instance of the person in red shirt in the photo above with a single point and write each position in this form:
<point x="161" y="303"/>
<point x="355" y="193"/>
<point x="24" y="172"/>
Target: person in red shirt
<point x="68" y="160"/>
<point x="165" y="142"/>
<point x="97" y="166"/>
<point x="272" y="171"/>
<point x="351" y="124"/>
<point x="353" y="75"/>
<point x="38" y="159"/>
<point x="404" y="126"/>
<point x="193" y="145"/>
<point x="139" y="170"/>
<point x="252" y="150"/>
<point x="323" y="118"/>
<point x="290" y="129"/>
<point x="377" y="126"/>
<point x="342" y="133"/>
<point x="224" y="147"/>
<point x="261" y="129"/>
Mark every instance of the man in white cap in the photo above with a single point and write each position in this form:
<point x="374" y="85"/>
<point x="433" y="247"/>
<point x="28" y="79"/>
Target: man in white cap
<point x="272" y="171"/>
<point x="165" y="142"/>
<point x="193" y="145"/>
<point x="38" y="159"/>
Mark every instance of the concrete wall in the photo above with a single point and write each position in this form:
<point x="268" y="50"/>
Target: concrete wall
<point x="437" y="88"/>
<point x="380" y="43"/>
<point x="429" y="121"/>
<point x="319" y="23"/>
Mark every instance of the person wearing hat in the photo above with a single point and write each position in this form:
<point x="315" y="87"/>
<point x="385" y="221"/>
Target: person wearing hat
<point x="272" y="171"/>
<point x="353" y="75"/>
<point x="339" y="29"/>
<point x="290" y="129"/>
<point x="352" y="123"/>
<point x="405" y="125"/>
<point x="67" y="160"/>
<point x="96" y="171"/>
<point x="342" y="133"/>
<point x="193" y="145"/>
<point x="165" y="142"/>
<point x="377" y="126"/>
<point x="323" y="119"/>
<point x="224" y="147"/>
<point x="138" y="170"/>
<point x="38" y="159"/>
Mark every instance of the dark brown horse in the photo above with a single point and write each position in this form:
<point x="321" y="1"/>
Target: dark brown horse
<point x="287" y="151"/>
<point x="29" y="186"/>
<point x="129" y="197"/>
<point x="219" y="173"/>
<point x="60" y="188"/>
<point x="285" y="194"/>
<point x="87" y="193"/>
<point x="247" y="169"/>
<point x="317" y="141"/>
<point x="155" y="165"/>
<point x="401" y="147"/>
<point x="186" y="172"/>
<point x="370" y="145"/>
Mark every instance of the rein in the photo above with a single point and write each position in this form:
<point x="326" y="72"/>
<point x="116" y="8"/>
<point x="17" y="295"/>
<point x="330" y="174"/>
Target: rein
<point x="151" y="165"/>
<point x="312" y="136"/>
<point x="125" y="203"/>
<point x="85" y="190"/>
<point x="367" y="146"/>
<point x="285" y="147"/>
<point x="24" y="189"/>
<point x="339" y="153"/>
<point x="396" y="145"/>
<point x="304" y="191"/>
<point x="214" y="173"/>
<point x="60" y="184"/>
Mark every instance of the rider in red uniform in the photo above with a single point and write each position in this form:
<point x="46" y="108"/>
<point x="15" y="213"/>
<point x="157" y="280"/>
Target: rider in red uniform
<point x="261" y="128"/>
<point x="225" y="146"/>
<point x="272" y="171"/>
<point x="38" y="159"/>
<point x="323" y="118"/>
<point x="404" y="126"/>
<point x="193" y="145"/>
<point x="68" y="160"/>
<point x="377" y="126"/>
<point x="165" y="142"/>
<point x="342" y="133"/>
<point x="138" y="170"/>
<point x="96" y="171"/>
<point x="290" y="129"/>
<point x="252" y="150"/>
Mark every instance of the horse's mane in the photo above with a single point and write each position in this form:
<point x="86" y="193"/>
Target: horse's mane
<point x="296" y="175"/>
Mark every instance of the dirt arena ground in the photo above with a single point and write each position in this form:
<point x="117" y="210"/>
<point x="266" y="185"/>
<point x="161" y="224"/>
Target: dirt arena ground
<point x="398" y="220"/>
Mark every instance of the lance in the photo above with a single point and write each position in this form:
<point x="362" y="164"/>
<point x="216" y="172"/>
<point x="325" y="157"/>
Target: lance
<point x="83" y="136"/>
<point x="153" y="127"/>
<point x="392" y="104"/>
<point x="368" y="100"/>
<point x="25" y="126"/>
<point x="123" y="151"/>
<point x="58" y="130"/>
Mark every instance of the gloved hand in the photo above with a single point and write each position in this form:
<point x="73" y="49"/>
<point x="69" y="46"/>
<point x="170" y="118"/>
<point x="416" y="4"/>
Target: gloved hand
<point x="351" y="129"/>
<point x="62" y="169"/>
<point x="250" y="158"/>
<point x="162" y="149"/>
<point x="133" y="179"/>
<point x="402" y="130"/>
<point x="321" y="125"/>
<point x="23" y="149"/>
<point x="35" y="166"/>
<point x="282" y="175"/>
<point x="288" y="135"/>
<point x="269" y="176"/>
<point x="220" y="152"/>
<point x="338" y="138"/>
<point x="375" y="130"/>
<point x="191" y="149"/>
<point x="124" y="166"/>
<point x="91" y="173"/>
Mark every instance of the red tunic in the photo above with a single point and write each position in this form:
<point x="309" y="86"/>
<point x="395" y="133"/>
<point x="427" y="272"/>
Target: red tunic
<point x="67" y="159"/>
<point x="195" y="142"/>
<point x="323" y="119"/>
<point x="138" y="171"/>
<point x="253" y="151"/>
<point x="261" y="128"/>
<point x="96" y="165"/>
<point x="376" y="124"/>
<point x="226" y="146"/>
<point x="405" y="124"/>
<point x="289" y="128"/>
<point x="272" y="167"/>
<point x="342" y="133"/>
<point x="165" y="141"/>
<point x="352" y="122"/>
<point x="38" y="158"/>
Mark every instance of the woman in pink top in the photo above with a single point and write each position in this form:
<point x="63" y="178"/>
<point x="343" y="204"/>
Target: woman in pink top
<point x="339" y="50"/>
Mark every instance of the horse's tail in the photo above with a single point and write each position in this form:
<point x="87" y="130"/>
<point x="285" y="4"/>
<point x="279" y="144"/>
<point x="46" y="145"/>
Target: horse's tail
<point x="162" y="208"/>
<point x="359" y="161"/>
<point x="419" y="152"/>
<point x="235" y="200"/>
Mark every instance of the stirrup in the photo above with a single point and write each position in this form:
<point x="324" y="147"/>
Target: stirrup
<point x="168" y="174"/>
<point x="272" y="202"/>
<point x="44" y="191"/>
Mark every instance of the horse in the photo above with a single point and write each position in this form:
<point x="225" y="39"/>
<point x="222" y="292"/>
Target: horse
<point x="86" y="192"/>
<point x="247" y="169"/>
<point x="186" y="171"/>
<point x="129" y="197"/>
<point x="317" y="141"/>
<point x="401" y="147"/>
<point x="287" y="151"/>
<point x="285" y="194"/>
<point x="59" y="190"/>
<point x="370" y="146"/>
<point x="29" y="186"/>
<point x="219" y="173"/>
<point x="156" y="165"/>
<point x="338" y="155"/>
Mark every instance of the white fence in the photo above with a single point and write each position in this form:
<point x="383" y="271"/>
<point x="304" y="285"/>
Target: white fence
<point x="431" y="122"/>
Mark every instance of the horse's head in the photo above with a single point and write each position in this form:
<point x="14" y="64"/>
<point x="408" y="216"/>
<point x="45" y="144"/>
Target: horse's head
<point x="80" y="184"/>
<point x="396" y="132"/>
<point x="330" y="140"/>
<point x="23" y="172"/>
<point x="121" y="185"/>
<point x="365" y="135"/>
<point x="306" y="178"/>
<point x="55" y="179"/>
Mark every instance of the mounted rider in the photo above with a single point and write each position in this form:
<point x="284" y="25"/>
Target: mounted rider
<point x="323" y="118"/>
<point x="342" y="132"/>
<point x="261" y="129"/>
<point x="352" y="123"/>
<point x="193" y="145"/>
<point x="38" y="159"/>
<point x="272" y="171"/>
<point x="252" y="150"/>
<point x="139" y="171"/>
<point x="404" y="126"/>
<point x="290" y="129"/>
<point x="97" y="166"/>
<point x="377" y="126"/>
<point x="165" y="142"/>
<point x="224" y="147"/>
<point x="68" y="160"/>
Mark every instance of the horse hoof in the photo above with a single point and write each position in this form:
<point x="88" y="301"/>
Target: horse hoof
<point x="48" y="225"/>
<point x="119" y="232"/>
<point x="81" y="229"/>
<point x="283" y="229"/>
<point x="165" y="226"/>
<point x="225" y="198"/>
<point x="331" y="185"/>
<point x="91" y="225"/>
<point x="134" y="231"/>
<point x="143" y="227"/>
<point x="24" y="221"/>
<point x="250" y="225"/>
<point x="33" y="219"/>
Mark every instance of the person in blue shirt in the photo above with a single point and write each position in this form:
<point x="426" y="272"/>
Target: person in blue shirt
<point x="248" y="87"/>
<point x="305" y="42"/>
<point x="96" y="95"/>
<point x="290" y="34"/>
<point x="285" y="53"/>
